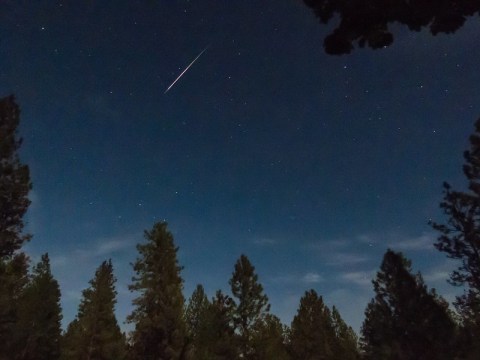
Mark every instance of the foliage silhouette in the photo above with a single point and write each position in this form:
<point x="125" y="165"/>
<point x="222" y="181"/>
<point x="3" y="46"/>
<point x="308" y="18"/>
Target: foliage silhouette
<point x="405" y="320"/>
<point x="14" y="181"/>
<point x="158" y="315"/>
<point x="367" y="21"/>
<point x="460" y="239"/>
<point x="250" y="306"/>
<point x="40" y="315"/>
<point x="95" y="334"/>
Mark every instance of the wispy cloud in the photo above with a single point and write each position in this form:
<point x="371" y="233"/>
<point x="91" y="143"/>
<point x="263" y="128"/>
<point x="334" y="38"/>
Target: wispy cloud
<point x="312" y="277"/>
<point x="339" y="252"/>
<point x="112" y="245"/>
<point x="422" y="242"/>
<point x="440" y="273"/>
<point x="366" y="239"/>
<point x="436" y="275"/>
<point x="361" y="278"/>
<point x="109" y="246"/>
<point x="309" y="278"/>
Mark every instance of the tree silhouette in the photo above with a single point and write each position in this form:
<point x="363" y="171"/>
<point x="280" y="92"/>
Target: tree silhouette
<point x="196" y="318"/>
<point x="159" y="310"/>
<point x="367" y="21"/>
<point x="251" y="303"/>
<point x="405" y="320"/>
<point x="14" y="181"/>
<point x="13" y="279"/>
<point x="346" y="341"/>
<point x="460" y="238"/>
<point x="39" y="316"/>
<point x="311" y="333"/>
<point x="95" y="333"/>
<point x="214" y="336"/>
<point x="14" y="187"/>
<point x="269" y="338"/>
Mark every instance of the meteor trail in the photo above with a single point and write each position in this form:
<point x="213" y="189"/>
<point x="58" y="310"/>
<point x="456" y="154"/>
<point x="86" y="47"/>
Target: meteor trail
<point x="188" y="67"/>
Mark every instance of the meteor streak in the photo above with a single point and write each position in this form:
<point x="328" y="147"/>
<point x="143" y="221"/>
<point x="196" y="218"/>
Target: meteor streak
<point x="188" y="67"/>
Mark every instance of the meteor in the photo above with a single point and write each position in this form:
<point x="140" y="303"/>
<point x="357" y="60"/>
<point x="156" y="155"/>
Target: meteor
<point x="188" y="67"/>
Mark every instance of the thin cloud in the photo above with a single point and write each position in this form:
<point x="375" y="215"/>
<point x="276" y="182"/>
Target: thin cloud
<point x="366" y="239"/>
<point x="109" y="246"/>
<point x="422" y="242"/>
<point x="312" y="277"/>
<point x="361" y="278"/>
<point x="436" y="276"/>
<point x="113" y="245"/>
<point x="440" y="273"/>
<point x="309" y="278"/>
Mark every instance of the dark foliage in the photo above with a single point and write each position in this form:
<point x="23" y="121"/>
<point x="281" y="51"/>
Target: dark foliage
<point x="14" y="181"/>
<point x="312" y="334"/>
<point x="159" y="310"/>
<point x="251" y="304"/>
<point x="269" y="339"/>
<point x="210" y="327"/>
<point x="460" y="238"/>
<point x="13" y="280"/>
<point x="95" y="333"/>
<point x="367" y="21"/>
<point x="405" y="320"/>
<point x="39" y="316"/>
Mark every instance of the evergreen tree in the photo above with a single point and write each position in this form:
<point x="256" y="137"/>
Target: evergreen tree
<point x="346" y="341"/>
<point x="405" y="320"/>
<point x="13" y="279"/>
<point x="39" y="316"/>
<point x="460" y="239"/>
<point x="95" y="333"/>
<point x="158" y="315"/>
<point x="311" y="333"/>
<point x="14" y="187"/>
<point x="251" y="304"/>
<point x="269" y="339"/>
<point x="214" y="337"/>
<point x="196" y="317"/>
<point x="219" y="333"/>
<point x="14" y="181"/>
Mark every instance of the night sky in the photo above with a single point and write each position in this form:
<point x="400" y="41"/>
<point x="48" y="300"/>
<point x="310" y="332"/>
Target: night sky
<point x="312" y="165"/>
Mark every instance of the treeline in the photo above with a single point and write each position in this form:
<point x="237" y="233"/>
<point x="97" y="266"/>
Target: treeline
<point x="405" y="320"/>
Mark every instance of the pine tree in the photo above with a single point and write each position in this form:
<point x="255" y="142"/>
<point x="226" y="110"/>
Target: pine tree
<point x="221" y="331"/>
<point x="405" y="320"/>
<point x="158" y="315"/>
<point x="251" y="304"/>
<point x="214" y="337"/>
<point x="311" y="333"/>
<point x="14" y="181"/>
<point x="346" y="341"/>
<point x="95" y="333"/>
<point x="196" y="318"/>
<point x="14" y="187"/>
<point x="460" y="239"/>
<point x="39" y="316"/>
<point x="269" y="339"/>
<point x="13" y="279"/>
